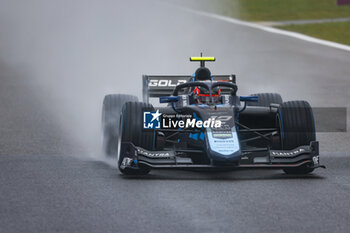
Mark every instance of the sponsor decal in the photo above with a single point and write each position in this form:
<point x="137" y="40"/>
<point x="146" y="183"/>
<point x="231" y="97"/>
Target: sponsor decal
<point x="165" y="82"/>
<point x="223" y="145"/>
<point x="155" y="154"/>
<point x="288" y="153"/>
<point x="222" y="134"/>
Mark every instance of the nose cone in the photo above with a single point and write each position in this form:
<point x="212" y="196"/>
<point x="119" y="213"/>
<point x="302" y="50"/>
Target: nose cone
<point x="224" y="147"/>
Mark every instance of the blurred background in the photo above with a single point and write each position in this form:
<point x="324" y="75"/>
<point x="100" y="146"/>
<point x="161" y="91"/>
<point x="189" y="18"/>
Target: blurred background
<point x="325" y="19"/>
<point x="59" y="58"/>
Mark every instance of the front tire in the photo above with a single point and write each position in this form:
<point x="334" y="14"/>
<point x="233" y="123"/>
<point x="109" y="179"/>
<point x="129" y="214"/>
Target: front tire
<point x="297" y="129"/>
<point x="131" y="130"/>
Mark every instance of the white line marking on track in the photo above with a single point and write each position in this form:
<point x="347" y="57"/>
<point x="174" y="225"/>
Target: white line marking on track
<point x="272" y="30"/>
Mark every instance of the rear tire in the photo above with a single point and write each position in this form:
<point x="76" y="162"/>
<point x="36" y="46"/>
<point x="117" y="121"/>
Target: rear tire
<point x="265" y="99"/>
<point x="131" y="130"/>
<point x="112" y="106"/>
<point x="297" y="129"/>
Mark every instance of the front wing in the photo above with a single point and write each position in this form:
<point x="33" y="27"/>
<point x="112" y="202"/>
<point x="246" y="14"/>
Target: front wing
<point x="307" y="155"/>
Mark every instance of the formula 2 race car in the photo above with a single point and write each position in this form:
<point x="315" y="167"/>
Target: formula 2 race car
<point x="206" y="125"/>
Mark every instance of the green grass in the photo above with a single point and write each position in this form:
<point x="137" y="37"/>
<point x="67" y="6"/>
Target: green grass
<point x="270" y="10"/>
<point x="280" y="10"/>
<point x="277" y="10"/>
<point x="337" y="32"/>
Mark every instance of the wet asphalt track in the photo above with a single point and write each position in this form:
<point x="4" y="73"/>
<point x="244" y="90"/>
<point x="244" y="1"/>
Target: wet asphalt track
<point x="58" y="59"/>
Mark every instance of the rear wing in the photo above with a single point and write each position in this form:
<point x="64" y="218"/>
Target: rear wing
<point x="161" y="85"/>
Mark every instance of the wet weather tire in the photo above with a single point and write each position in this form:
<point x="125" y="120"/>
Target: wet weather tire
<point x="132" y="131"/>
<point x="112" y="106"/>
<point x="297" y="129"/>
